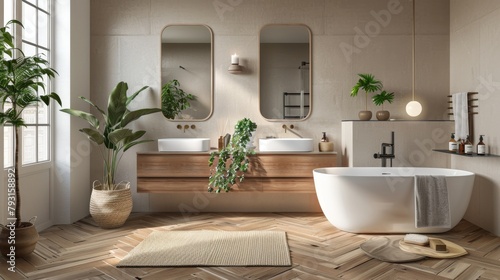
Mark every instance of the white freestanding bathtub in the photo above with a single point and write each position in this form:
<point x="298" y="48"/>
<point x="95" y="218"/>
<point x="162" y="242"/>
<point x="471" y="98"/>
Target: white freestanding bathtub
<point x="381" y="199"/>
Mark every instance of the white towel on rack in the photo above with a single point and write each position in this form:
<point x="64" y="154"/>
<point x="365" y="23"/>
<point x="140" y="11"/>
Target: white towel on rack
<point x="461" y="114"/>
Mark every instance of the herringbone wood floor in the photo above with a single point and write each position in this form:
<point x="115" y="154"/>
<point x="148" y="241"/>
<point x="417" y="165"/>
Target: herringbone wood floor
<point x="318" y="251"/>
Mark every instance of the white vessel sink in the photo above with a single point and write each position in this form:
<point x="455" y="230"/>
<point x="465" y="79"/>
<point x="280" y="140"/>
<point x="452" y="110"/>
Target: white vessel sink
<point x="184" y="144"/>
<point x="286" y="145"/>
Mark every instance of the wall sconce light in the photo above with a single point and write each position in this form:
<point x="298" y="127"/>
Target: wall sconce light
<point x="413" y="108"/>
<point x="235" y="67"/>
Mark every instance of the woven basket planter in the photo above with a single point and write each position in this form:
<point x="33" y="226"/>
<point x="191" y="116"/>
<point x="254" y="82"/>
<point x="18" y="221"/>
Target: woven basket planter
<point x="26" y="238"/>
<point x="110" y="208"/>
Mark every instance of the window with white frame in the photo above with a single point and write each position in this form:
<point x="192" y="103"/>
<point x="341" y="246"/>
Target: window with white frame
<point x="35" y="40"/>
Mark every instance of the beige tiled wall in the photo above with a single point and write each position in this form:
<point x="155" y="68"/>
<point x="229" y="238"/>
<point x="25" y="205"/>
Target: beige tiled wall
<point x="474" y="61"/>
<point x="412" y="147"/>
<point x="125" y="45"/>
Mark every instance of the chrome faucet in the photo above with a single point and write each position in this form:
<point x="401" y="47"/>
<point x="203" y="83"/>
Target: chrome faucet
<point x="383" y="155"/>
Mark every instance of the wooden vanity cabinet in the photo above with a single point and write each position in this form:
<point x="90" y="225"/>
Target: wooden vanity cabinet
<point x="159" y="172"/>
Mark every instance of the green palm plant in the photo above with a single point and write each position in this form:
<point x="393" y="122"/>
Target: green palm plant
<point x="381" y="98"/>
<point x="112" y="137"/>
<point x="367" y="83"/>
<point x="21" y="80"/>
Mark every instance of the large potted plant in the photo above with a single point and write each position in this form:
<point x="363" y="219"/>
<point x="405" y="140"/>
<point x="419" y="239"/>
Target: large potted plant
<point x="233" y="159"/>
<point x="111" y="201"/>
<point x="379" y="100"/>
<point x="367" y="83"/>
<point x="21" y="80"/>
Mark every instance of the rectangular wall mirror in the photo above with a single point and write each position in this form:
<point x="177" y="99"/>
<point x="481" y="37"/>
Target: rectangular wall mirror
<point x="285" y="72"/>
<point x="187" y="56"/>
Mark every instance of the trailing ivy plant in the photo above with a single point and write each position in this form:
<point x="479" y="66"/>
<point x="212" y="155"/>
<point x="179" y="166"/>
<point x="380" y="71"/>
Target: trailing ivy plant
<point x="174" y="99"/>
<point x="232" y="161"/>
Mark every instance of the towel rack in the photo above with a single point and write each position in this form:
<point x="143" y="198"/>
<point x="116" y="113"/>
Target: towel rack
<point x="289" y="105"/>
<point x="472" y="107"/>
<point x="471" y="102"/>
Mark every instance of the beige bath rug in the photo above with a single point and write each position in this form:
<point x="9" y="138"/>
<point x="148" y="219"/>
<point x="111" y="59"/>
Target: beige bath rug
<point x="210" y="248"/>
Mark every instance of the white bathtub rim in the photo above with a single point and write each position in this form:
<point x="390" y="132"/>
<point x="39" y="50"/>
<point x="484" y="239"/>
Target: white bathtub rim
<point x="390" y="171"/>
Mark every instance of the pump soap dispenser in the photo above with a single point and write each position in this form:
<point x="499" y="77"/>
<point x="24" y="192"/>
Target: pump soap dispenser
<point x="325" y="145"/>
<point x="481" y="147"/>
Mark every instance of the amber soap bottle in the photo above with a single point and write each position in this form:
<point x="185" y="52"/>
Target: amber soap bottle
<point x="452" y="144"/>
<point x="481" y="147"/>
<point x="461" y="146"/>
<point x="468" y="148"/>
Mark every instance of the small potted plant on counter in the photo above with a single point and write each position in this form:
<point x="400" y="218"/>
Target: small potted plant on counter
<point x="379" y="100"/>
<point x="367" y="83"/>
<point x="232" y="160"/>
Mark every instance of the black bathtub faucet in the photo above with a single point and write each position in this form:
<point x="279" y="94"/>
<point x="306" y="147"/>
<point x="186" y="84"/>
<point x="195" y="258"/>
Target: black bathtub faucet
<point x="383" y="155"/>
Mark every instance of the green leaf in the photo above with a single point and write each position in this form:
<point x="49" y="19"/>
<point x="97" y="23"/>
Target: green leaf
<point x="134" y="115"/>
<point x="94" y="135"/>
<point x="91" y="119"/>
<point x="53" y="95"/>
<point x="133" y="96"/>
<point x="382" y="97"/>
<point x="6" y="38"/>
<point x="119" y="135"/>
<point x="134" y="136"/>
<point x="3" y="118"/>
<point x="130" y="145"/>
<point x="93" y="105"/>
<point x="367" y="83"/>
<point x="355" y="90"/>
<point x="117" y="104"/>
<point x="11" y="116"/>
<point x="25" y="99"/>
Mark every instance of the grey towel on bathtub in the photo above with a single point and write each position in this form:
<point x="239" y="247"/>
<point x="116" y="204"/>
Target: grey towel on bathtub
<point x="431" y="202"/>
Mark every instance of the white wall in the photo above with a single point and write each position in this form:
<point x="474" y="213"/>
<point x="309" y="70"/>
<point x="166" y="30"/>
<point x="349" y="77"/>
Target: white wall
<point x="71" y="181"/>
<point x="125" y="45"/>
<point x="474" y="61"/>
